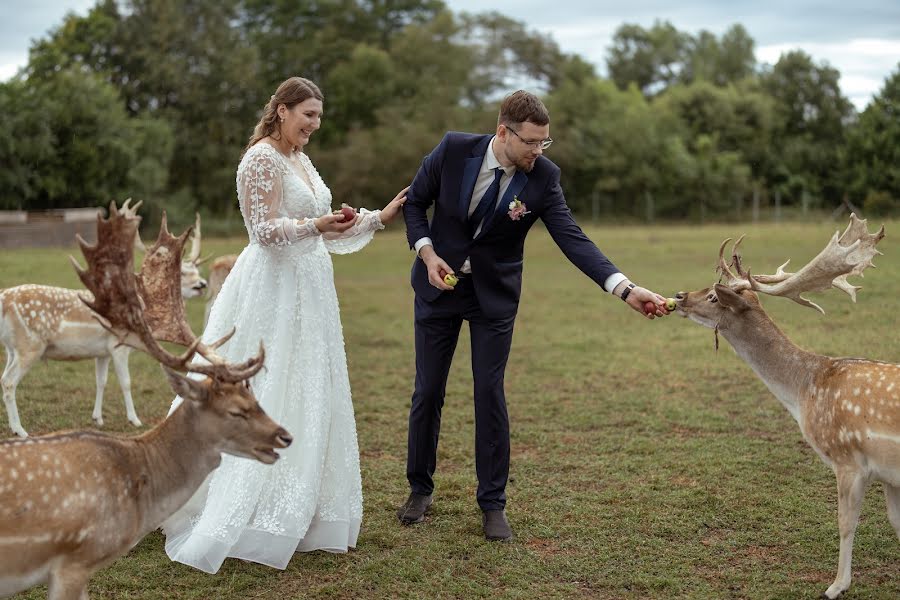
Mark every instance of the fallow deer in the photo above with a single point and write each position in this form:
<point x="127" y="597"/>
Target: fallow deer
<point x="848" y="409"/>
<point x="218" y="271"/>
<point x="71" y="503"/>
<point x="45" y="322"/>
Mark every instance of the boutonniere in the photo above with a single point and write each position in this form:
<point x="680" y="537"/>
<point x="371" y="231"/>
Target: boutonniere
<point x="517" y="209"/>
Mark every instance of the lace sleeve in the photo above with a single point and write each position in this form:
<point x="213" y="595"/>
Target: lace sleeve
<point x="261" y="195"/>
<point x="357" y="237"/>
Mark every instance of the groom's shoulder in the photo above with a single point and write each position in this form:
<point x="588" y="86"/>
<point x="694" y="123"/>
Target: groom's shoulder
<point x="461" y="139"/>
<point x="465" y="137"/>
<point x="544" y="168"/>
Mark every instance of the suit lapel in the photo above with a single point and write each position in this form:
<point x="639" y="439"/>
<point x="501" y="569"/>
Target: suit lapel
<point x="515" y="187"/>
<point x="470" y="174"/>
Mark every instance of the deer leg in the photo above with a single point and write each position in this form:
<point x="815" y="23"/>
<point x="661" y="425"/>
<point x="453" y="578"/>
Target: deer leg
<point x="17" y="365"/>
<point x="120" y="364"/>
<point x="68" y="582"/>
<point x="102" y="368"/>
<point x="892" y="495"/>
<point x="852" y="486"/>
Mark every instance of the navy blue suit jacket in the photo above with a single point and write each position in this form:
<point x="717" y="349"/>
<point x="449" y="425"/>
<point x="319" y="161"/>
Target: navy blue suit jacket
<point x="446" y="180"/>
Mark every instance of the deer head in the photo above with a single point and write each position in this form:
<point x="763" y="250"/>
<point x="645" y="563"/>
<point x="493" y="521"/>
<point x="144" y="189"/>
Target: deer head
<point x="192" y="284"/>
<point x="727" y="303"/>
<point x="230" y="414"/>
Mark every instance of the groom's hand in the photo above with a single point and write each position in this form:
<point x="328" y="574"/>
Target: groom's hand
<point x="436" y="266"/>
<point x="639" y="298"/>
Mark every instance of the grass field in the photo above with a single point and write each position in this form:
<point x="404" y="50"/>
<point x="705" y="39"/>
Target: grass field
<point x="644" y="463"/>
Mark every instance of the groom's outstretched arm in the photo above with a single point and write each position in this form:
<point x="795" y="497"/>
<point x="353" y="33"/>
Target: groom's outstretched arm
<point x="585" y="255"/>
<point x="422" y="193"/>
<point x="577" y="247"/>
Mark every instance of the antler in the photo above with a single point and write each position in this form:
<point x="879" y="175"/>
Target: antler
<point x="131" y="211"/>
<point x="195" y="241"/>
<point x="141" y="309"/>
<point x="846" y="254"/>
<point x="726" y="276"/>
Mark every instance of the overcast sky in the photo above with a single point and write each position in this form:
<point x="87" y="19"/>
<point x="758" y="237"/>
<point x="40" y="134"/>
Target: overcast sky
<point x="861" y="38"/>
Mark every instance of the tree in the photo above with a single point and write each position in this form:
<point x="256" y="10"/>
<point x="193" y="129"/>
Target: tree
<point x="720" y="62"/>
<point x="811" y="114"/>
<point x="70" y="143"/>
<point x="651" y="59"/>
<point x="740" y="118"/>
<point x="873" y="151"/>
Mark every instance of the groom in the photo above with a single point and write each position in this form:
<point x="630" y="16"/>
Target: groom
<point x="487" y="192"/>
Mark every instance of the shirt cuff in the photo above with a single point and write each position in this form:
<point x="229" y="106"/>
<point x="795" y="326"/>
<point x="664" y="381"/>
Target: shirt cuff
<point x="425" y="241"/>
<point x="612" y="281"/>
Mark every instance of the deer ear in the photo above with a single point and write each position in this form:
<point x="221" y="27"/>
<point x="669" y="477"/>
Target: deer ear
<point x="187" y="388"/>
<point x="731" y="299"/>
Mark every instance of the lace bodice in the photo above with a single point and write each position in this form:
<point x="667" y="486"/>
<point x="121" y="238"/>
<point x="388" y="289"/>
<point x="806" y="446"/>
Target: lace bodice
<point x="278" y="205"/>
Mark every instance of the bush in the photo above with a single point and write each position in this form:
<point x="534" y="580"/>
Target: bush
<point x="881" y="204"/>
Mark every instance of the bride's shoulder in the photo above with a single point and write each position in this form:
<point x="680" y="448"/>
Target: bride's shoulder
<point x="261" y="154"/>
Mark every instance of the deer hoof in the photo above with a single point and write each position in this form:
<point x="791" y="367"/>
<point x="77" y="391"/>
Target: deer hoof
<point x="20" y="432"/>
<point x="98" y="421"/>
<point x="833" y="592"/>
<point x="136" y="422"/>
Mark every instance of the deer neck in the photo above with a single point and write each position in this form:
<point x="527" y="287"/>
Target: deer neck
<point x="179" y="458"/>
<point x="785" y="368"/>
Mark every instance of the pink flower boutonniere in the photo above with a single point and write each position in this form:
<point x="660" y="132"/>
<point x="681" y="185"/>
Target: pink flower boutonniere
<point x="517" y="209"/>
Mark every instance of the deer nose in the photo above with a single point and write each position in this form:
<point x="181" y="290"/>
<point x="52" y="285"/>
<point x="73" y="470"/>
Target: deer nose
<point x="284" y="438"/>
<point x="680" y="296"/>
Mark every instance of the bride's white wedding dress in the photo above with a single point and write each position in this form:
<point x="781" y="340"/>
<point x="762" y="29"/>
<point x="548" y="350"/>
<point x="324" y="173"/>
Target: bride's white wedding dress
<point x="281" y="291"/>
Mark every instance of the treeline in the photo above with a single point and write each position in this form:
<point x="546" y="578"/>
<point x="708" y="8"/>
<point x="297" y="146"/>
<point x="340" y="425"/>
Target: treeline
<point x="155" y="99"/>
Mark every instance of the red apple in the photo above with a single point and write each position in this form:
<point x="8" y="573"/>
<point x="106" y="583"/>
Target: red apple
<point x="348" y="213"/>
<point x="650" y="307"/>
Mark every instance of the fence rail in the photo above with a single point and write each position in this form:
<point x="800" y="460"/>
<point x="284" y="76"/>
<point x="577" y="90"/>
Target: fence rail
<point x="37" y="229"/>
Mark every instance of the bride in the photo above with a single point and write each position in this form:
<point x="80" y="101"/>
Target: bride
<point x="281" y="291"/>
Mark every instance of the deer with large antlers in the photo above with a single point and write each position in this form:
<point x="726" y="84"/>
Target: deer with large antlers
<point x="71" y="503"/>
<point x="848" y="409"/>
<point x="45" y="322"/>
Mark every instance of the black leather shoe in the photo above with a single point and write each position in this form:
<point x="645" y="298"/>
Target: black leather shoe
<point x="496" y="527"/>
<point x="414" y="509"/>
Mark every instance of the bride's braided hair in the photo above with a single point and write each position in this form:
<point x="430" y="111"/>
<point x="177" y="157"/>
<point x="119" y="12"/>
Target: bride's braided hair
<point x="291" y="92"/>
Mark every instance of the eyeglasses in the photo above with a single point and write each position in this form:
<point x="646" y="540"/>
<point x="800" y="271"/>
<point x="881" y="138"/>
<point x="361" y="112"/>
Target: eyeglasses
<point x="542" y="144"/>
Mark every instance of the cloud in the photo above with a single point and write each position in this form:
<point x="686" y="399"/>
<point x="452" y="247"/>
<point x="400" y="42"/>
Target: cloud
<point x="861" y="39"/>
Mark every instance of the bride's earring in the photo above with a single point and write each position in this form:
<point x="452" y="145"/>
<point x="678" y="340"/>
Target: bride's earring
<point x="281" y="119"/>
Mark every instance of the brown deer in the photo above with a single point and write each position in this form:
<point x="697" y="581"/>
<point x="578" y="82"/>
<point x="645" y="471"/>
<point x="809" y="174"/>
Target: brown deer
<point x="218" y="271"/>
<point x="45" y="322"/>
<point x="71" y="503"/>
<point x="848" y="409"/>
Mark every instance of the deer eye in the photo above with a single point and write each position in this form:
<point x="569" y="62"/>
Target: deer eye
<point x="237" y="413"/>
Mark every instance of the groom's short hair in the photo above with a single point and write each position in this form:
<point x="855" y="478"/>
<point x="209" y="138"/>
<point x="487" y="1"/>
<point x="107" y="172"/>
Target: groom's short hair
<point x="522" y="106"/>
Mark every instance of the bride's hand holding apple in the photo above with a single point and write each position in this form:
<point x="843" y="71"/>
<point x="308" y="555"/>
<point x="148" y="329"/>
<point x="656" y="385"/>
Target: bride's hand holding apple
<point x="335" y="223"/>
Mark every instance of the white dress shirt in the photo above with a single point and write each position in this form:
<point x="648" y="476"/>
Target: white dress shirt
<point x="482" y="183"/>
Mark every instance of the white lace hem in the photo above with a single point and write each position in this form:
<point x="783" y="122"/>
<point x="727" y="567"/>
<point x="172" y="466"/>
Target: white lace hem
<point x="207" y="553"/>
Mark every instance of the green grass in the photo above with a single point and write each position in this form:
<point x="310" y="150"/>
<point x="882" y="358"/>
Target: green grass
<point x="644" y="463"/>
